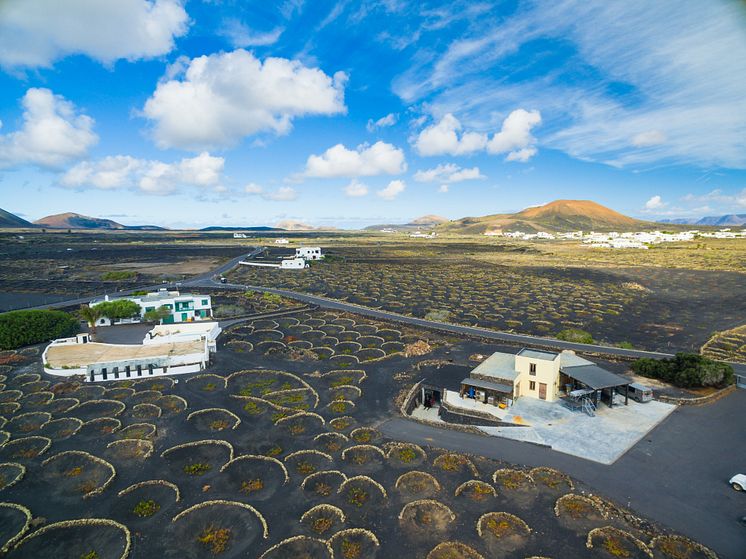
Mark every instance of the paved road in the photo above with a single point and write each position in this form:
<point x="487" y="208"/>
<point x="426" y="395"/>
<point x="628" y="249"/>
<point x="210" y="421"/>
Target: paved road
<point x="677" y="475"/>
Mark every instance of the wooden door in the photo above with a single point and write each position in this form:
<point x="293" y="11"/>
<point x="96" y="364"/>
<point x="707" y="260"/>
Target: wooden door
<point x="542" y="391"/>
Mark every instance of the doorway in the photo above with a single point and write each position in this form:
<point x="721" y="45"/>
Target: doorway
<point x="542" y="390"/>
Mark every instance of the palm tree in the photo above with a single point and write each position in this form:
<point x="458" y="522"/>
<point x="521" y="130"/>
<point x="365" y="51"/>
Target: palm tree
<point x="90" y="315"/>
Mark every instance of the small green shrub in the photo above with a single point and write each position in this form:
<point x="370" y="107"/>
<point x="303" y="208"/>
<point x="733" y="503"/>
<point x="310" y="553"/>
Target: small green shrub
<point x="197" y="469"/>
<point x="575" y="335"/>
<point x="146" y="508"/>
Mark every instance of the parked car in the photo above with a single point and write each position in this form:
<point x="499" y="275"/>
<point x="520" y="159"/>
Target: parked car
<point x="223" y="279"/>
<point x="738" y="482"/>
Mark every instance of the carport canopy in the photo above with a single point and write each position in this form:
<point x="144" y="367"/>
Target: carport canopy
<point x="595" y="377"/>
<point x="487" y="385"/>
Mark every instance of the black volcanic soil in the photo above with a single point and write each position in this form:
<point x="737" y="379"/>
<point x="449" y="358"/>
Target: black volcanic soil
<point x="55" y="491"/>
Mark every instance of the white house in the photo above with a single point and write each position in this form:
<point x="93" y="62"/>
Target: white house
<point x="309" y="253"/>
<point x="281" y="241"/>
<point x="183" y="307"/>
<point x="293" y="264"/>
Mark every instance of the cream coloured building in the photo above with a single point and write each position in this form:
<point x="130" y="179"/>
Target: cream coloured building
<point x="502" y="378"/>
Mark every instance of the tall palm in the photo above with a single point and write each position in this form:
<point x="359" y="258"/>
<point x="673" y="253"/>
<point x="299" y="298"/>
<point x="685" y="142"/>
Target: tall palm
<point x="90" y="315"/>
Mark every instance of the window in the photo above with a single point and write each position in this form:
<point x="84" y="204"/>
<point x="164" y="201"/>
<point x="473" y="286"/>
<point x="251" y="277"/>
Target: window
<point x="532" y="368"/>
<point x="205" y="302"/>
<point x="532" y="385"/>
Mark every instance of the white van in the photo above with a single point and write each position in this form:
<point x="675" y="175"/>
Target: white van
<point x="640" y="392"/>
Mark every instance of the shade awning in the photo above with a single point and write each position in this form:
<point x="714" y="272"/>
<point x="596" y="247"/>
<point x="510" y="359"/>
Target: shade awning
<point x="595" y="377"/>
<point x="487" y="385"/>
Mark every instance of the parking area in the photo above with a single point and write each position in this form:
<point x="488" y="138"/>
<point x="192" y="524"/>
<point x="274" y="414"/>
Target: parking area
<point x="601" y="438"/>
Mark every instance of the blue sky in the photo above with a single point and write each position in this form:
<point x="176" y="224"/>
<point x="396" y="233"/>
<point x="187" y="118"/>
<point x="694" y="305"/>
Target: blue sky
<point x="187" y="114"/>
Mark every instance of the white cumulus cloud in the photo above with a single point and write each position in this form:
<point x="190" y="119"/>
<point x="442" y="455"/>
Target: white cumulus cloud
<point x="383" y="122"/>
<point x="445" y="137"/>
<point x="448" y="173"/>
<point x="53" y="132"/>
<point x="35" y="33"/>
<point x="515" y="138"/>
<point x="655" y="203"/>
<point x="393" y="190"/>
<point x="356" y="189"/>
<point x="149" y="176"/>
<point x="364" y="161"/>
<point x="217" y="100"/>
<point x="443" y="188"/>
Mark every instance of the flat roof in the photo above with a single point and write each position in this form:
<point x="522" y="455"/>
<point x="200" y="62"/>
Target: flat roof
<point x="80" y="355"/>
<point x="498" y="365"/>
<point x="183" y="328"/>
<point x="537" y="354"/>
<point x="487" y="385"/>
<point x="152" y="296"/>
<point x="570" y="359"/>
<point x="595" y="377"/>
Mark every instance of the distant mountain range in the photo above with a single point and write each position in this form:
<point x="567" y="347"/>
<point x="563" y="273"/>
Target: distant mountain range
<point x="424" y="222"/>
<point x="560" y="215"/>
<point x="71" y="220"/>
<point x="713" y="220"/>
<point x="8" y="219"/>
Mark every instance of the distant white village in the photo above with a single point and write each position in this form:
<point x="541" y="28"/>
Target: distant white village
<point x="613" y="239"/>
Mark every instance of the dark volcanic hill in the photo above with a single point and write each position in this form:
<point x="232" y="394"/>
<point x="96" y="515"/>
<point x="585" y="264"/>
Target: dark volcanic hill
<point x="8" y="219"/>
<point x="560" y="215"/>
<point x="71" y="220"/>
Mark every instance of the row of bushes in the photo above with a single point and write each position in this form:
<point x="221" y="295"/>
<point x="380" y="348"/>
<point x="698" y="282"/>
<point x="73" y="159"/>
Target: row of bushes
<point x="686" y="370"/>
<point x="21" y="328"/>
<point x="119" y="275"/>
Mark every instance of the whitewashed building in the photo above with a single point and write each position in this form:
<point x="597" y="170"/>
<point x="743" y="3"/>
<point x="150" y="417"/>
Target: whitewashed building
<point x="182" y="307"/>
<point x="309" y="253"/>
<point x="96" y="362"/>
<point x="167" y="333"/>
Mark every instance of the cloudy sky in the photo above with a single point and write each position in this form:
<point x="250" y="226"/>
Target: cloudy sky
<point x="349" y="113"/>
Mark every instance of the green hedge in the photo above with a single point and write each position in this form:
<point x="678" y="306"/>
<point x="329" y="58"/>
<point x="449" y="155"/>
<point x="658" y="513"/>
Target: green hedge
<point x="119" y="275"/>
<point x="21" y="328"/>
<point x="686" y="370"/>
<point x="119" y="308"/>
